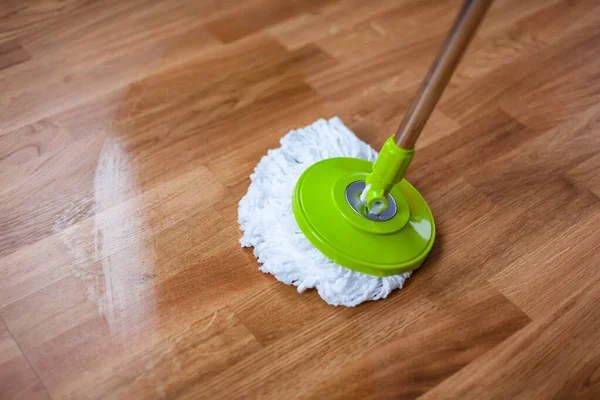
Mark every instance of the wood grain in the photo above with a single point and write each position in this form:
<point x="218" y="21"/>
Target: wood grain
<point x="128" y="131"/>
<point x="12" y="53"/>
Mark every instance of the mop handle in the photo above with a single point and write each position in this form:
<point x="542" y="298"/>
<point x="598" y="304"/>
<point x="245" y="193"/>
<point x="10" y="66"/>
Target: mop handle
<point x="441" y="71"/>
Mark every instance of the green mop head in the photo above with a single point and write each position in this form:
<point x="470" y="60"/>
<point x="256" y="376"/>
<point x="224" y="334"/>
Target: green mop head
<point x="267" y="220"/>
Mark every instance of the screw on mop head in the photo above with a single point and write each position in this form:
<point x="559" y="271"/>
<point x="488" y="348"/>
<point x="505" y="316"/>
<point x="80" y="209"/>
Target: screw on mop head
<point x="296" y="254"/>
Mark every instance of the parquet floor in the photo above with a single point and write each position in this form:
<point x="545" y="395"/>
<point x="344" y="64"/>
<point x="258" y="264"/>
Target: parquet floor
<point x="128" y="130"/>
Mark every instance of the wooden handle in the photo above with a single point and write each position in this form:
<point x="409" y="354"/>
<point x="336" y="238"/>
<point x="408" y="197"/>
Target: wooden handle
<point x="441" y="71"/>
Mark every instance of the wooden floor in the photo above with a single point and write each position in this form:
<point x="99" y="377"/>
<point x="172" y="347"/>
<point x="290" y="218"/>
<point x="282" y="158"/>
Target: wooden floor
<point x="128" y="131"/>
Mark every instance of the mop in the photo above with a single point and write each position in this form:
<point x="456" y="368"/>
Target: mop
<point x="326" y="211"/>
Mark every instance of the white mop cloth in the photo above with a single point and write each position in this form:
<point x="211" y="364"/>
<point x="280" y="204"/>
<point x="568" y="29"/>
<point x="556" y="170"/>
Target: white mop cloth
<point x="267" y="220"/>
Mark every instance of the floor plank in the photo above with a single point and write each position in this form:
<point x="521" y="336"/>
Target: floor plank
<point x="294" y="360"/>
<point x="532" y="355"/>
<point x="17" y="379"/>
<point x="409" y="366"/>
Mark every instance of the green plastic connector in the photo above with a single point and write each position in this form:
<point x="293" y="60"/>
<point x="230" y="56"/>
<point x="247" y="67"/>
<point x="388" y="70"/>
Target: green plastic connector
<point x="388" y="170"/>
